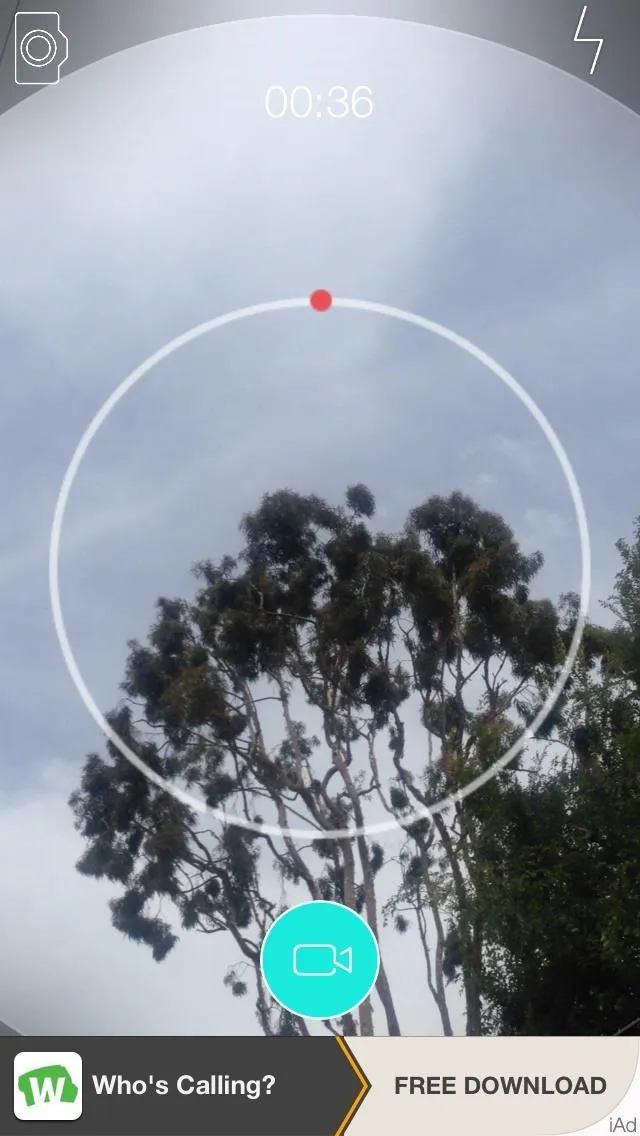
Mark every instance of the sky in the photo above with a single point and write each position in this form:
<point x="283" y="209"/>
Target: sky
<point x="149" y="192"/>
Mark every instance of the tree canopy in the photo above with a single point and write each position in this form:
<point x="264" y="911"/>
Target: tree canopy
<point x="331" y="677"/>
<point x="559" y="877"/>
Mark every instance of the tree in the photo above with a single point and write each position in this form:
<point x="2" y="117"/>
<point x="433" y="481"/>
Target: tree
<point x="326" y="677"/>
<point x="560" y="858"/>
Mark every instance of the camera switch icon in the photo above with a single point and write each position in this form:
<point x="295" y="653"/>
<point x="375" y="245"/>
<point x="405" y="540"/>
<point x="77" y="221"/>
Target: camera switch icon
<point x="41" y="49"/>
<point x="321" y="960"/>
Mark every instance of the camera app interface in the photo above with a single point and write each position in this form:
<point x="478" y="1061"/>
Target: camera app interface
<point x="320" y="562"/>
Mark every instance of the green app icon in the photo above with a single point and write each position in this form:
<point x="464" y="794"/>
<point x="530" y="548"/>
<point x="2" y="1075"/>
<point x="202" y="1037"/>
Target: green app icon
<point x="47" y="1086"/>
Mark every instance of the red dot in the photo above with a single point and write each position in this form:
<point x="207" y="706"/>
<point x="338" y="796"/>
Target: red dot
<point x="321" y="300"/>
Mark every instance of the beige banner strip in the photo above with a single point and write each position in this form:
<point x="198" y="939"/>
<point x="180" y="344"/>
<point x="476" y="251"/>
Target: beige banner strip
<point x="529" y="1086"/>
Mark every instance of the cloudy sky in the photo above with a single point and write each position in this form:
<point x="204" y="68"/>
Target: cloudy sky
<point x="150" y="192"/>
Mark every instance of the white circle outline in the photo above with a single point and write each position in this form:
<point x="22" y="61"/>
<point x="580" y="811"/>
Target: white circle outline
<point x="327" y="903"/>
<point x="163" y="353"/>
<point x="38" y="33"/>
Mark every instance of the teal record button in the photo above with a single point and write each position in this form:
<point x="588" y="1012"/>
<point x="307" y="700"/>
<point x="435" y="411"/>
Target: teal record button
<point x="320" y="960"/>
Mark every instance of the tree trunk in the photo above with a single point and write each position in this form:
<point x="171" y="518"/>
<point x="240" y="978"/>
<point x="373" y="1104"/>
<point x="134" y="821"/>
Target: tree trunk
<point x="470" y="960"/>
<point x="371" y="908"/>
<point x="365" y="1011"/>
<point x="436" y="981"/>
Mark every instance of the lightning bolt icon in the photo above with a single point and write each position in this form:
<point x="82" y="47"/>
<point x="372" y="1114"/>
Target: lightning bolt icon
<point x="588" y="39"/>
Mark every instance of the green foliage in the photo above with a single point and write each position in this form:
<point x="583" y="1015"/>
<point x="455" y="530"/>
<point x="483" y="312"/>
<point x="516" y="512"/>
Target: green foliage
<point x="558" y="860"/>
<point x="453" y="954"/>
<point x="361" y="500"/>
<point x="559" y="896"/>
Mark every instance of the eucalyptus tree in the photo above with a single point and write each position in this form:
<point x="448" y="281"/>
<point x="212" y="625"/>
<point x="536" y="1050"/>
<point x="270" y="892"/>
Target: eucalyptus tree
<point x="326" y="678"/>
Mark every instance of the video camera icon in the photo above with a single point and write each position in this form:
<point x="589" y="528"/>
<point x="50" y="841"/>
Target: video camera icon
<point x="321" y="960"/>
<point x="306" y="968"/>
